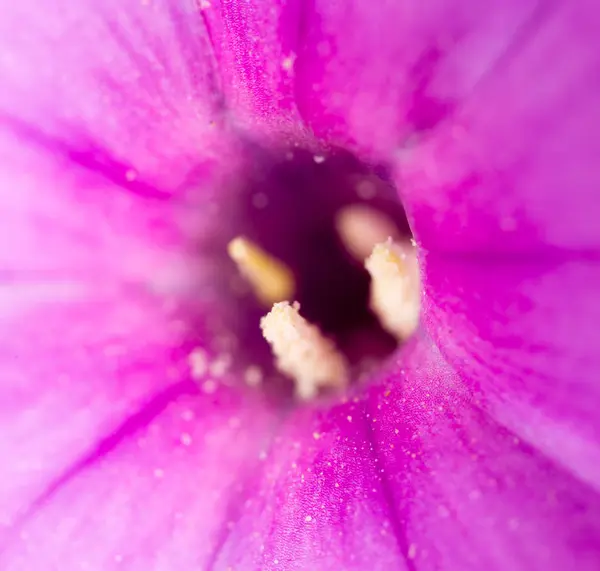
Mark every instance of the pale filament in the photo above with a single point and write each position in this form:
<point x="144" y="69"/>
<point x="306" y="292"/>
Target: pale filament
<point x="361" y="227"/>
<point x="270" y="279"/>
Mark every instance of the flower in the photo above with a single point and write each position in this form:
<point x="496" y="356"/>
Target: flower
<point x="478" y="449"/>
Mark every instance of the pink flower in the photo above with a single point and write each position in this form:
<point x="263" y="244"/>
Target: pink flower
<point x="478" y="450"/>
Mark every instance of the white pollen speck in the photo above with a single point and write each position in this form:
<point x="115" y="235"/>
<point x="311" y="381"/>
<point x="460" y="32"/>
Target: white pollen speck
<point x="186" y="439"/>
<point x="288" y="62"/>
<point x="349" y="418"/>
<point x="253" y="375"/>
<point x="319" y="159"/>
<point x="412" y="551"/>
<point x="131" y="175"/>
<point x="204" y="4"/>
<point x="316" y="435"/>
<point x="187" y="415"/>
<point x="308" y="518"/>
<point x="220" y="365"/>
<point x="198" y="362"/>
<point x="366" y="189"/>
<point x="209" y="386"/>
<point x="337" y="485"/>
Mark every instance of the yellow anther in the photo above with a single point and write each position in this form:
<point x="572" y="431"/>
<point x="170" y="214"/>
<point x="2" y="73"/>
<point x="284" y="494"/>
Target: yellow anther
<point x="302" y="352"/>
<point x="395" y="287"/>
<point x="360" y="227"/>
<point x="271" y="280"/>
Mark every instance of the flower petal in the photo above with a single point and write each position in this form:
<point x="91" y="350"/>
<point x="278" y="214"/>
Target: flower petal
<point x="472" y="495"/>
<point x="523" y="338"/>
<point x="372" y="77"/>
<point x="74" y="363"/>
<point x="515" y="166"/>
<point x="413" y="476"/>
<point x="160" y="497"/>
<point x="95" y="350"/>
<point x="320" y="502"/>
<point x="59" y="220"/>
<point x="125" y="88"/>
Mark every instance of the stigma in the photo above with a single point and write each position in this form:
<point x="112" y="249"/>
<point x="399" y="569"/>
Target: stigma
<point x="271" y="280"/>
<point x="395" y="287"/>
<point x="302" y="352"/>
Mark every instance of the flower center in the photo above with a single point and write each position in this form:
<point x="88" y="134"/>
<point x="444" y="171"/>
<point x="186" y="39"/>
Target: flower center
<point x="318" y="275"/>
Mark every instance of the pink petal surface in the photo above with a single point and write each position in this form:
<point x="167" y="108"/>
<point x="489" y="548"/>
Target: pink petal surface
<point x="122" y="85"/>
<point x="256" y="46"/>
<point x="370" y="76"/>
<point x="472" y="494"/>
<point x="81" y="226"/>
<point x="75" y="364"/>
<point x="159" y="499"/>
<point x="514" y="168"/>
<point x="395" y="476"/>
<point x="412" y="475"/>
<point x="523" y="336"/>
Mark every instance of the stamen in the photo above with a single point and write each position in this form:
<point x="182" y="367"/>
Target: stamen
<point x="271" y="279"/>
<point x="361" y="227"/>
<point x="302" y="352"/>
<point x="395" y="287"/>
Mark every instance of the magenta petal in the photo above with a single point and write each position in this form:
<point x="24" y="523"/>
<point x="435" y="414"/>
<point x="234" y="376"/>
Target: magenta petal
<point x="515" y="165"/>
<point x="94" y="255"/>
<point x="75" y="362"/>
<point x="115" y="86"/>
<point x="320" y="502"/>
<point x="523" y="337"/>
<point x="64" y="222"/>
<point x="470" y="494"/>
<point x="412" y="476"/>
<point x="160" y="497"/>
<point x="256" y="46"/>
<point x="372" y="76"/>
